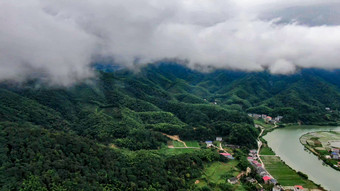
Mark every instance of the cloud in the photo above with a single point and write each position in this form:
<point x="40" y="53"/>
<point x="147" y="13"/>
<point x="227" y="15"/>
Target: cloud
<point x="57" y="40"/>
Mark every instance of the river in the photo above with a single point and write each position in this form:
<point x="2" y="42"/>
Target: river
<point x="285" y="142"/>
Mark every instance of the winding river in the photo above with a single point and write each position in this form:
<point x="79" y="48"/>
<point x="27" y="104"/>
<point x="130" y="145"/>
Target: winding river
<point x="285" y="142"/>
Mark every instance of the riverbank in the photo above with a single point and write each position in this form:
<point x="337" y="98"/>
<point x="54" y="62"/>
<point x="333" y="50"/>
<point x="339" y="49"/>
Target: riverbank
<point x="320" y="144"/>
<point x="286" y="144"/>
<point x="284" y="174"/>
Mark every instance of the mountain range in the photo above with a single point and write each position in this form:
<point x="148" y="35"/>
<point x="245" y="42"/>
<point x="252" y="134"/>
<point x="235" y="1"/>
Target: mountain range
<point x="55" y="136"/>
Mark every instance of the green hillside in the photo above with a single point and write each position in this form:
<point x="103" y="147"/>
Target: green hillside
<point x="107" y="134"/>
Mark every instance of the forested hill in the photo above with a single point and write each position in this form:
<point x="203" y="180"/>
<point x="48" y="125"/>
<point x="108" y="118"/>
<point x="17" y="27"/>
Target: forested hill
<point x="62" y="138"/>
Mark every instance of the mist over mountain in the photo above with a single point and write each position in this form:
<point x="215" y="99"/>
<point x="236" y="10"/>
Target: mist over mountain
<point x="153" y="95"/>
<point x="57" y="41"/>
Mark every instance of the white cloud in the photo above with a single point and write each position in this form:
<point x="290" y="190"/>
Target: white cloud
<point x="58" y="39"/>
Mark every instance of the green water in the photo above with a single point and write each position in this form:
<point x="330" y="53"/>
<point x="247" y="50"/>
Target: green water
<point x="285" y="142"/>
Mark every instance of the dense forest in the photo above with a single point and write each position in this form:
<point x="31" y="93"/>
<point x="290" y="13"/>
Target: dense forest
<point x="57" y="138"/>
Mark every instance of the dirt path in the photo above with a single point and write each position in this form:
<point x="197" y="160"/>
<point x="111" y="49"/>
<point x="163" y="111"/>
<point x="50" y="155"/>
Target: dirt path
<point x="176" y="138"/>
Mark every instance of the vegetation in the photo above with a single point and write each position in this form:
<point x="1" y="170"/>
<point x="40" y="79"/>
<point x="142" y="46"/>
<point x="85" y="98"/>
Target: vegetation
<point x="265" y="150"/>
<point x="107" y="134"/>
<point x="192" y="144"/>
<point x="177" y="144"/>
<point x="318" y="143"/>
<point x="215" y="176"/>
<point x="284" y="174"/>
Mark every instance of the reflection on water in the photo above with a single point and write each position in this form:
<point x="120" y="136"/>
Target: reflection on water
<point x="285" y="142"/>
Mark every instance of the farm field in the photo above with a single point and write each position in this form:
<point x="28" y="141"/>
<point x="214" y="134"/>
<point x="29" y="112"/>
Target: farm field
<point x="321" y="143"/>
<point x="284" y="174"/>
<point x="192" y="143"/>
<point x="263" y="124"/>
<point x="174" y="151"/>
<point x="219" y="172"/>
<point x="177" y="144"/>
<point x="324" y="139"/>
<point x="266" y="151"/>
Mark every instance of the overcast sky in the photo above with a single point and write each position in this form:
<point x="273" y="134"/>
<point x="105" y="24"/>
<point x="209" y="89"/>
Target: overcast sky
<point x="57" y="40"/>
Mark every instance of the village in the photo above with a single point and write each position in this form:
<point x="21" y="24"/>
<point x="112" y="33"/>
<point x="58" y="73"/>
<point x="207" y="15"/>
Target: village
<point x="266" y="118"/>
<point x="256" y="173"/>
<point x="257" y="164"/>
<point x="324" y="144"/>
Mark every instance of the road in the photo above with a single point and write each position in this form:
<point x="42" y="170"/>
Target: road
<point x="259" y="143"/>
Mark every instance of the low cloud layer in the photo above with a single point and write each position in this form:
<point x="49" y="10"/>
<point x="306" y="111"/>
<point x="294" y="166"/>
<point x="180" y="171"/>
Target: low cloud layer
<point x="57" y="40"/>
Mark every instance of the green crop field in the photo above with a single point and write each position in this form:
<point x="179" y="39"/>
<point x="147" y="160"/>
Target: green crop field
<point x="177" y="144"/>
<point x="285" y="175"/>
<point x="174" y="151"/>
<point x="263" y="124"/>
<point x="219" y="172"/>
<point x="192" y="143"/>
<point x="266" y="151"/>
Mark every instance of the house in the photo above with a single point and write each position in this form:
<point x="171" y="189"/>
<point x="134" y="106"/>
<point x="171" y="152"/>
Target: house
<point x="328" y="157"/>
<point x="230" y="157"/>
<point x="263" y="173"/>
<point x="298" y="188"/>
<point x="253" y="151"/>
<point x="254" y="162"/>
<point x="273" y="181"/>
<point x="276" y="188"/>
<point x="218" y="138"/>
<point x="335" y="150"/>
<point x="335" y="155"/>
<point x="250" y="159"/>
<point x="233" y="180"/>
<point x="327" y="109"/>
<point x="251" y="180"/>
<point x="278" y="118"/>
<point x="209" y="143"/>
<point x="225" y="154"/>
<point x="260" y="169"/>
<point x="268" y="118"/>
<point x="256" y="116"/>
<point x="266" y="179"/>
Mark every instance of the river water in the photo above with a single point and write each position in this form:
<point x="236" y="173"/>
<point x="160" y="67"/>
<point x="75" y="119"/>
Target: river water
<point x="285" y="143"/>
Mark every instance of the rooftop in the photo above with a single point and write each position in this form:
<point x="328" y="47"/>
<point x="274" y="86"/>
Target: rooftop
<point x="299" y="187"/>
<point x="265" y="178"/>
